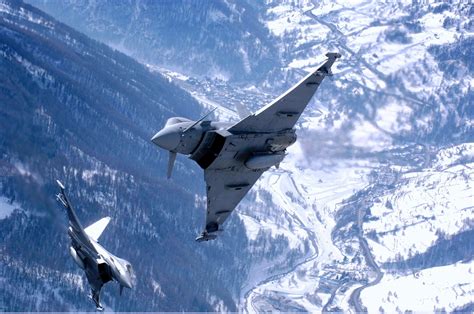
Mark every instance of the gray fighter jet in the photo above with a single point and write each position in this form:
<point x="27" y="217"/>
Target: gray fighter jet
<point x="99" y="265"/>
<point x="234" y="155"/>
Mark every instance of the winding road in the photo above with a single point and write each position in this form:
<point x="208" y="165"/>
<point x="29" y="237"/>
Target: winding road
<point x="311" y="237"/>
<point x="355" y="297"/>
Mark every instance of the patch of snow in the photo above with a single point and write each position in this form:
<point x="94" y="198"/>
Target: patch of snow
<point x="7" y="207"/>
<point x="176" y="75"/>
<point x="245" y="59"/>
<point x="394" y="117"/>
<point x="217" y="16"/>
<point x="157" y="288"/>
<point x="24" y="170"/>
<point x="25" y="14"/>
<point x="452" y="155"/>
<point x="222" y="113"/>
<point x="217" y="304"/>
<point x="369" y="137"/>
<point x="40" y="76"/>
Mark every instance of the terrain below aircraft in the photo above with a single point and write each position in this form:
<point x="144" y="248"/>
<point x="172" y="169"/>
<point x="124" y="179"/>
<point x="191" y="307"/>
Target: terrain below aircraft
<point x="234" y="155"/>
<point x="99" y="265"/>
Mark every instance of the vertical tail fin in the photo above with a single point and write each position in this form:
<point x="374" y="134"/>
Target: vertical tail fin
<point x="95" y="230"/>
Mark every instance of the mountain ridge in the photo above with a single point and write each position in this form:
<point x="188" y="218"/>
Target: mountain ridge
<point x="75" y="110"/>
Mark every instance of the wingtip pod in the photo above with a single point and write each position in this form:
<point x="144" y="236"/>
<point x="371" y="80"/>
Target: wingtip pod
<point x="333" y="55"/>
<point x="325" y="68"/>
<point x="61" y="195"/>
<point x="61" y="186"/>
<point x="205" y="237"/>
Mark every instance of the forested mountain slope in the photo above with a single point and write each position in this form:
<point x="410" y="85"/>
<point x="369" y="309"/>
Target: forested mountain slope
<point x="74" y="109"/>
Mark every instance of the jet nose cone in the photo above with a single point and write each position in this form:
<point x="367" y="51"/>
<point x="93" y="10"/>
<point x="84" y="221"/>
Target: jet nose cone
<point x="167" y="139"/>
<point x="128" y="283"/>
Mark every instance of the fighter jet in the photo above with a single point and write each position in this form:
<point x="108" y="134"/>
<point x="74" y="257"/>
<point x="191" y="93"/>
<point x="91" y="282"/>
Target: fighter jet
<point x="99" y="265"/>
<point x="234" y="155"/>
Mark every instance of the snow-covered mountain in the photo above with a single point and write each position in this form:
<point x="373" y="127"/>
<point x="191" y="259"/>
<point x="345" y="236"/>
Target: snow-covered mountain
<point x="372" y="208"/>
<point x="221" y="39"/>
<point x="406" y="71"/>
<point x="402" y="93"/>
<point x="362" y="203"/>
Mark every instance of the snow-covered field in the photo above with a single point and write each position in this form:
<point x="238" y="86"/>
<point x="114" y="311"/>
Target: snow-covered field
<point x="442" y="288"/>
<point x="424" y="205"/>
<point x="427" y="205"/>
<point x="305" y="199"/>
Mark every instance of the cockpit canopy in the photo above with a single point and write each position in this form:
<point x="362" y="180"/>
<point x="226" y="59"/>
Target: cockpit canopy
<point x="176" y="120"/>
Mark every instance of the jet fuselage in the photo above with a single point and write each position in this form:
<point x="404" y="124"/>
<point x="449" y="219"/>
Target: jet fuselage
<point x="100" y="264"/>
<point x="207" y="140"/>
